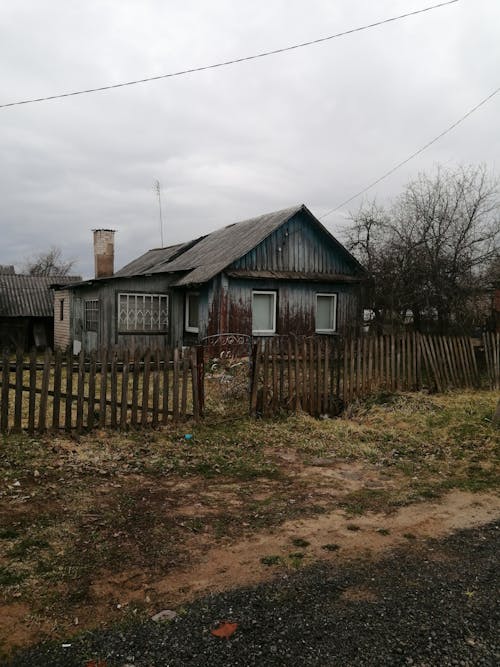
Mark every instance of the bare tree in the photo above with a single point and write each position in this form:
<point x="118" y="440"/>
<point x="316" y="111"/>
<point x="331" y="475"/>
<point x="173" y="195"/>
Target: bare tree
<point x="49" y="263"/>
<point x="431" y="251"/>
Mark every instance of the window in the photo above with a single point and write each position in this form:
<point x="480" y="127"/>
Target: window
<point x="61" y="309"/>
<point x="264" y="313"/>
<point x="142" y="312"/>
<point x="91" y="314"/>
<point x="326" y="313"/>
<point x="192" y="316"/>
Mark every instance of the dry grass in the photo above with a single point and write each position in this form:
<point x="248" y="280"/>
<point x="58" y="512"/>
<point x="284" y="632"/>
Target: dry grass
<point x="74" y="511"/>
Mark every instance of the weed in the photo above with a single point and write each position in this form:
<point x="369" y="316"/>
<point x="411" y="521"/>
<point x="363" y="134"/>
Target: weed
<point x="383" y="531"/>
<point x="23" y="548"/>
<point x="271" y="560"/>
<point x="331" y="547"/>
<point x="9" y="578"/>
<point x="8" y="534"/>
<point x="410" y="536"/>
<point x="353" y="527"/>
<point x="299" y="542"/>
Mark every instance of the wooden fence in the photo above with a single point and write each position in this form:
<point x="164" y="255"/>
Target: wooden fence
<point x="319" y="374"/>
<point x="110" y="388"/>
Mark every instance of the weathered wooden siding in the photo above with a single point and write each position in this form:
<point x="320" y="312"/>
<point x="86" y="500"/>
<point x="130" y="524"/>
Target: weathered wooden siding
<point x="297" y="246"/>
<point x="230" y="305"/>
<point x="107" y="295"/>
<point x="62" y="327"/>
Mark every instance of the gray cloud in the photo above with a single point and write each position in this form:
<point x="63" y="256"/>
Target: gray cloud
<point x="314" y="125"/>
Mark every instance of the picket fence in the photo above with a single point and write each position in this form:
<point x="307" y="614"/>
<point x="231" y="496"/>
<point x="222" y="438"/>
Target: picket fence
<point x="108" y="388"/>
<point x="321" y="375"/>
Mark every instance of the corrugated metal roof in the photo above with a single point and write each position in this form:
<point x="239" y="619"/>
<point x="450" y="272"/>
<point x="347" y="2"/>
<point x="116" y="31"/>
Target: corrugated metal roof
<point x="7" y="270"/>
<point x="206" y="256"/>
<point x="152" y="259"/>
<point x="28" y="296"/>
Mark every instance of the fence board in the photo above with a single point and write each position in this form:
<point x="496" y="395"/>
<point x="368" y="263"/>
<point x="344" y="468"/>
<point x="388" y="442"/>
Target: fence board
<point x="4" y="408"/>
<point x="56" y="404"/>
<point x="18" y="399"/>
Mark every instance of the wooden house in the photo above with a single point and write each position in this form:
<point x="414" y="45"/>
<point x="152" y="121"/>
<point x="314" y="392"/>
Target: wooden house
<point x="278" y="273"/>
<point x="26" y="309"/>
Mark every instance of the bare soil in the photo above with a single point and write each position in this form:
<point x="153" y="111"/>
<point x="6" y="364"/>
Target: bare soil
<point x="118" y="526"/>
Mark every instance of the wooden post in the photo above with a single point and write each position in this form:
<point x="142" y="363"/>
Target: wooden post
<point x="124" y="397"/>
<point x="156" y="388"/>
<point x="80" y="392"/>
<point x="4" y="408"/>
<point x="32" y="392"/>
<point x="56" y="402"/>
<point x="18" y="399"/>
<point x="175" y="389"/>
<point x="185" y="377"/>
<point x="44" y="392"/>
<point x="194" y="382"/>
<point x="165" y="386"/>
<point x="200" y="377"/>
<point x="103" y="395"/>
<point x="145" y="387"/>
<point x="91" y="396"/>
<point x="254" y="384"/>
<point x="135" y="388"/>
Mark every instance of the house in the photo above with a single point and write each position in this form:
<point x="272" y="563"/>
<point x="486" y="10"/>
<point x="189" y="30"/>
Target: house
<point x="26" y="309"/>
<point x="278" y="273"/>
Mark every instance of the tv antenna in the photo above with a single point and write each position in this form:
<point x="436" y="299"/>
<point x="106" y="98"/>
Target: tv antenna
<point x="157" y="189"/>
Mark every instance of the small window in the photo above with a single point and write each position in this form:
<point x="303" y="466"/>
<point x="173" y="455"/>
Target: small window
<point x="326" y="313"/>
<point x="91" y="314"/>
<point x="192" y="314"/>
<point x="264" y="313"/>
<point x="61" y="309"/>
<point x="142" y="313"/>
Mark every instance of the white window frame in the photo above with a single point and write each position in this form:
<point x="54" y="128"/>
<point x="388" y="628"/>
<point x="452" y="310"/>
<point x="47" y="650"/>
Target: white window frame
<point x="142" y="295"/>
<point x="186" y="315"/>
<point x="334" y="296"/>
<point x="265" y="332"/>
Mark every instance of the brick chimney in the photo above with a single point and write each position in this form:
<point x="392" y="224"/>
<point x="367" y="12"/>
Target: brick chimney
<point x="104" y="252"/>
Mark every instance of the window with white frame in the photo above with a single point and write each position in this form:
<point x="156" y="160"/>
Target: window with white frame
<point x="326" y="313"/>
<point x="192" y="313"/>
<point x="91" y="314"/>
<point x="142" y="312"/>
<point x="264" y="313"/>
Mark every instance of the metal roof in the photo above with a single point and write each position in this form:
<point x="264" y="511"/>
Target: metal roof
<point x="7" y="270"/>
<point x="205" y="257"/>
<point x="28" y="296"/>
<point x="201" y="259"/>
<point x="152" y="259"/>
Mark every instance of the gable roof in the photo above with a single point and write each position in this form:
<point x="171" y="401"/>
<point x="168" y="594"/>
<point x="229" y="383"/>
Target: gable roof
<point x="205" y="257"/>
<point x="28" y="296"/>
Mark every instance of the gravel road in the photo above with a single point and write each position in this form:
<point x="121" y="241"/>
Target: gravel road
<point x="431" y="603"/>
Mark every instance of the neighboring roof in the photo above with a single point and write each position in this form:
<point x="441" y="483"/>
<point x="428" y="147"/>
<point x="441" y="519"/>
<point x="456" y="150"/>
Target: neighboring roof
<point x="28" y="296"/>
<point x="7" y="270"/>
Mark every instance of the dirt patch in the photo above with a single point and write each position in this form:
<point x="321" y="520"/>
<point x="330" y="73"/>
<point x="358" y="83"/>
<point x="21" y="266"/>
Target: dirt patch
<point x="240" y="563"/>
<point x="124" y="524"/>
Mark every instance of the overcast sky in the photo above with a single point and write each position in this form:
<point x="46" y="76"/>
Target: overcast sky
<point x="314" y="125"/>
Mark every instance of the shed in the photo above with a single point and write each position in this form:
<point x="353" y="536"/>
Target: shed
<point x="26" y="309"/>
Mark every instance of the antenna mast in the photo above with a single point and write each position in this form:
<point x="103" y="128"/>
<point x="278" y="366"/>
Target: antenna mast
<point x="157" y="189"/>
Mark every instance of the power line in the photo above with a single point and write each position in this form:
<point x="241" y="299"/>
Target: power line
<point x="263" y="54"/>
<point x="417" y="152"/>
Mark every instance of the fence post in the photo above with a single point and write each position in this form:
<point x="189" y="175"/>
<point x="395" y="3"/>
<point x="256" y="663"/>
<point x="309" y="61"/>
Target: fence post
<point x="200" y="365"/>
<point x="18" y="400"/>
<point x="4" y="408"/>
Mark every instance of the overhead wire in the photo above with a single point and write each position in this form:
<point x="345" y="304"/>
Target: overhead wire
<point x="413" y="155"/>
<point x="225" y="63"/>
